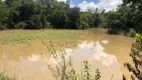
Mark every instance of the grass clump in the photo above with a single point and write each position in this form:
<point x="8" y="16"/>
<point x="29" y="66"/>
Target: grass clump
<point x="5" y="77"/>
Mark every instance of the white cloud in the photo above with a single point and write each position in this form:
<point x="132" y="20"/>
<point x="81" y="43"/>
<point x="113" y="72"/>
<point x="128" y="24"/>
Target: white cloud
<point x="71" y="2"/>
<point x="71" y="6"/>
<point x="61" y="0"/>
<point x="84" y="6"/>
<point x="103" y="4"/>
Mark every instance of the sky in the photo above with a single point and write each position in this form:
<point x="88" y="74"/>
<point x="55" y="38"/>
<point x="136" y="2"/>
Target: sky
<point x="91" y="5"/>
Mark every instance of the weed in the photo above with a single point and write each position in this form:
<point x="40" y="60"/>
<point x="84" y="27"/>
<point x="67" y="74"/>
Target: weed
<point x="64" y="69"/>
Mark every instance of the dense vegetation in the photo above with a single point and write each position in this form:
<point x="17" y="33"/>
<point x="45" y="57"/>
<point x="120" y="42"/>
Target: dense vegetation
<point x="41" y="14"/>
<point x="128" y="18"/>
<point x="136" y="56"/>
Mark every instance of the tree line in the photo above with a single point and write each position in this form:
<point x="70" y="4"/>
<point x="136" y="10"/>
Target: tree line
<point x="127" y="18"/>
<point x="42" y="14"/>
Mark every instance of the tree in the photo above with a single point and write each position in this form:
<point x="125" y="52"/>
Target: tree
<point x="127" y="17"/>
<point x="73" y="16"/>
<point x="58" y="15"/>
<point x="85" y="21"/>
<point x="4" y="14"/>
<point x="114" y="22"/>
<point x="14" y="14"/>
<point x="133" y="14"/>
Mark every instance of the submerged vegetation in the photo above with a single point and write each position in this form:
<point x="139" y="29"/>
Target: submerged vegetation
<point x="23" y="37"/>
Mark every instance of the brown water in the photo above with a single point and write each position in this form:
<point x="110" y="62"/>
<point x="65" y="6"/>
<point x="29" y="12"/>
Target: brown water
<point x="105" y="52"/>
<point x="36" y="65"/>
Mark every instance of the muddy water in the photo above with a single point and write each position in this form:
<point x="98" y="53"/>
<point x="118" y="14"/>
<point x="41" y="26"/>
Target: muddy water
<point x="105" y="52"/>
<point x="34" y="66"/>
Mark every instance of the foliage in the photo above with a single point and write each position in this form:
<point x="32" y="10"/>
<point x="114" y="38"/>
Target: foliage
<point x="41" y="14"/>
<point x="64" y="69"/>
<point x="83" y="25"/>
<point x="34" y="23"/>
<point x="45" y="14"/>
<point x="73" y="18"/>
<point x="114" y="23"/>
<point x="22" y="36"/>
<point x="131" y="33"/>
<point x="127" y="16"/>
<point x="5" y="77"/>
<point x="47" y="25"/>
<point x="136" y="58"/>
<point x="4" y="14"/>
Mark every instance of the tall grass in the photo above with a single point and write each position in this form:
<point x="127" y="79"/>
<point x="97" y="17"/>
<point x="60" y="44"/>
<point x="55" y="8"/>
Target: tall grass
<point x="7" y="73"/>
<point x="5" y="77"/>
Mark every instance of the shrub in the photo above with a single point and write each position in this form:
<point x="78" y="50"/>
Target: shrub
<point x="2" y="27"/>
<point x="83" y="25"/>
<point x="48" y="25"/>
<point x="131" y="33"/>
<point x="5" y="77"/>
<point x="34" y="23"/>
<point x="114" y="23"/>
<point x="135" y="68"/>
<point x="113" y="31"/>
<point x="64" y="69"/>
<point x="21" y="25"/>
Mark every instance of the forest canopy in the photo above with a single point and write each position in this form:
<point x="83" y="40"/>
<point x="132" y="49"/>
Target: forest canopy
<point x="45" y="14"/>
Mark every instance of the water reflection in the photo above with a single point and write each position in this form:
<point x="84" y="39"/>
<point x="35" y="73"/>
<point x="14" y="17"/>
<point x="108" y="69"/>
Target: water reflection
<point x="36" y="65"/>
<point x="104" y="41"/>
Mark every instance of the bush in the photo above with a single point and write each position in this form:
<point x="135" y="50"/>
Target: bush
<point x="2" y="27"/>
<point x="83" y="25"/>
<point x="10" y="24"/>
<point x="21" y="25"/>
<point x="5" y="77"/>
<point x="131" y="33"/>
<point x="113" y="31"/>
<point x="136" y="56"/>
<point x="34" y="23"/>
<point x="64" y="69"/>
<point x="48" y="25"/>
<point x="114" y="23"/>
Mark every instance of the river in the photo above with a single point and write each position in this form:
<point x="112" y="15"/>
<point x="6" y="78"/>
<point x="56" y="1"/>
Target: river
<point x="104" y="52"/>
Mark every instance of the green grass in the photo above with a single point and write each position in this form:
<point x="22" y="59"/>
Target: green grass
<point x="22" y="37"/>
<point x="5" y="77"/>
